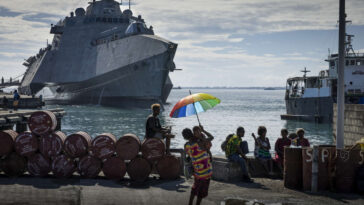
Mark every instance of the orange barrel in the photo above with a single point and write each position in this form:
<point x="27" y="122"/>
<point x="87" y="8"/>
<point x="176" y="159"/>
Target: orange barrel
<point x="63" y="166"/>
<point x="13" y="165"/>
<point x="89" y="166"/>
<point x="52" y="145"/>
<point x="7" y="139"/>
<point x="153" y="149"/>
<point x="293" y="168"/>
<point x="114" y="168"/>
<point x="38" y="165"/>
<point x="76" y="145"/>
<point x="128" y="146"/>
<point x="103" y="146"/>
<point x="169" y="167"/>
<point x="139" y="169"/>
<point x="347" y="163"/>
<point x="42" y="122"/>
<point x="26" y="144"/>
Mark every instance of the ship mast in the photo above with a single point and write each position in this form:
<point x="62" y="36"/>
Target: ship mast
<point x="129" y="4"/>
<point x="305" y="71"/>
<point x="340" y="83"/>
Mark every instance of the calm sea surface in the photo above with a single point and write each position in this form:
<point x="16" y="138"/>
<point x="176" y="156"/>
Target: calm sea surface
<point x="238" y="107"/>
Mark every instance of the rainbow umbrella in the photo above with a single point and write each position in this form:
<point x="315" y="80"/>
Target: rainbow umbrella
<point x="194" y="104"/>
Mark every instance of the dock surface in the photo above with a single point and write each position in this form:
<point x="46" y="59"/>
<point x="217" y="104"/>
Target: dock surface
<point x="76" y="191"/>
<point x="9" y="118"/>
<point x="25" y="101"/>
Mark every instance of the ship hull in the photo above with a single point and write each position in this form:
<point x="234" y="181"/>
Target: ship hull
<point x="311" y="109"/>
<point x="136" y="85"/>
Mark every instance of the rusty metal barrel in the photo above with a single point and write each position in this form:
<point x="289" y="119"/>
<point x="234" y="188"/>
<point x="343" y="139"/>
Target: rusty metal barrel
<point x="326" y="161"/>
<point x="52" y="145"/>
<point x="103" y="146"/>
<point x="7" y="138"/>
<point x="77" y="144"/>
<point x="89" y="166"/>
<point x="114" y="168"/>
<point x="63" y="166"/>
<point x="326" y="165"/>
<point x="139" y="169"/>
<point x="153" y="149"/>
<point x="38" y="165"/>
<point x="13" y="165"/>
<point x="293" y="168"/>
<point x="307" y="159"/>
<point x="169" y="167"/>
<point x="128" y="146"/>
<point x="42" y="122"/>
<point x="347" y="163"/>
<point x="26" y="144"/>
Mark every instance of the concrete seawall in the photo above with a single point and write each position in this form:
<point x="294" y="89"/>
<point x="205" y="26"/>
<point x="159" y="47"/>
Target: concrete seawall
<point x="353" y="123"/>
<point x="223" y="170"/>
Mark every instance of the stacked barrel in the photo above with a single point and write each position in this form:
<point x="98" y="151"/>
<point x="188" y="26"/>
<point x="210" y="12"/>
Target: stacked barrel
<point x="43" y="151"/>
<point x="22" y="152"/>
<point x="322" y="168"/>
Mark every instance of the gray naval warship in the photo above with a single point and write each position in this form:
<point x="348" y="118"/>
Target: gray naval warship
<point x="101" y="55"/>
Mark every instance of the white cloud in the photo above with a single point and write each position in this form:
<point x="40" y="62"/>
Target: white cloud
<point x="210" y="33"/>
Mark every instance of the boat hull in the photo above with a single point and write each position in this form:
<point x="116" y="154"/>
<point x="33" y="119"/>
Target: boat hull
<point x="136" y="85"/>
<point x="316" y="109"/>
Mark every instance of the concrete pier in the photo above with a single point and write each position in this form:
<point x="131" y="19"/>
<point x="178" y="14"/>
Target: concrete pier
<point x="25" y="102"/>
<point x="78" y="191"/>
<point x="303" y="118"/>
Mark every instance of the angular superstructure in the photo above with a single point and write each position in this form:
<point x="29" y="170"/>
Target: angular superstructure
<point x="102" y="56"/>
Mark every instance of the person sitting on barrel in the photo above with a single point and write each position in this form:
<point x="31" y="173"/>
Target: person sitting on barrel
<point x="279" y="148"/>
<point x="153" y="128"/>
<point x="301" y="140"/>
<point x="236" y="150"/>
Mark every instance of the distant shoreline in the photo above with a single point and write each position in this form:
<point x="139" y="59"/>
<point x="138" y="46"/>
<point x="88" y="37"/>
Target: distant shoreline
<point x="245" y="88"/>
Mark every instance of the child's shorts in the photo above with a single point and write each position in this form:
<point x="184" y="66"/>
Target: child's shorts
<point x="200" y="188"/>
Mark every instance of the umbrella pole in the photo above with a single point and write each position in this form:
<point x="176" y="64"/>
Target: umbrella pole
<point x="198" y="119"/>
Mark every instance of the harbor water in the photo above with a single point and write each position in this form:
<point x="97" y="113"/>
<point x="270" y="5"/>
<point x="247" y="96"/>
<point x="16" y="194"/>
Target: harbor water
<point x="249" y="108"/>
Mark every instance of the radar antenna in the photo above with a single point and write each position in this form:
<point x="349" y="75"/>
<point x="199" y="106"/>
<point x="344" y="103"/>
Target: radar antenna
<point x="305" y="71"/>
<point x="349" y="47"/>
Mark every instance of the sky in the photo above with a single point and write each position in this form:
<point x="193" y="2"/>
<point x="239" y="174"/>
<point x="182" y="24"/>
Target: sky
<point x="234" y="43"/>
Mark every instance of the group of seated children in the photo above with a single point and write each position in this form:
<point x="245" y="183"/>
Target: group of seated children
<point x="296" y="139"/>
<point x="262" y="146"/>
<point x="236" y="149"/>
<point x="198" y="149"/>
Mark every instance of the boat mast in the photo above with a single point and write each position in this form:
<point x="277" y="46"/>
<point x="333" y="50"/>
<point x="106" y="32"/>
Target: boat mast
<point x="340" y="83"/>
<point x="305" y="71"/>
